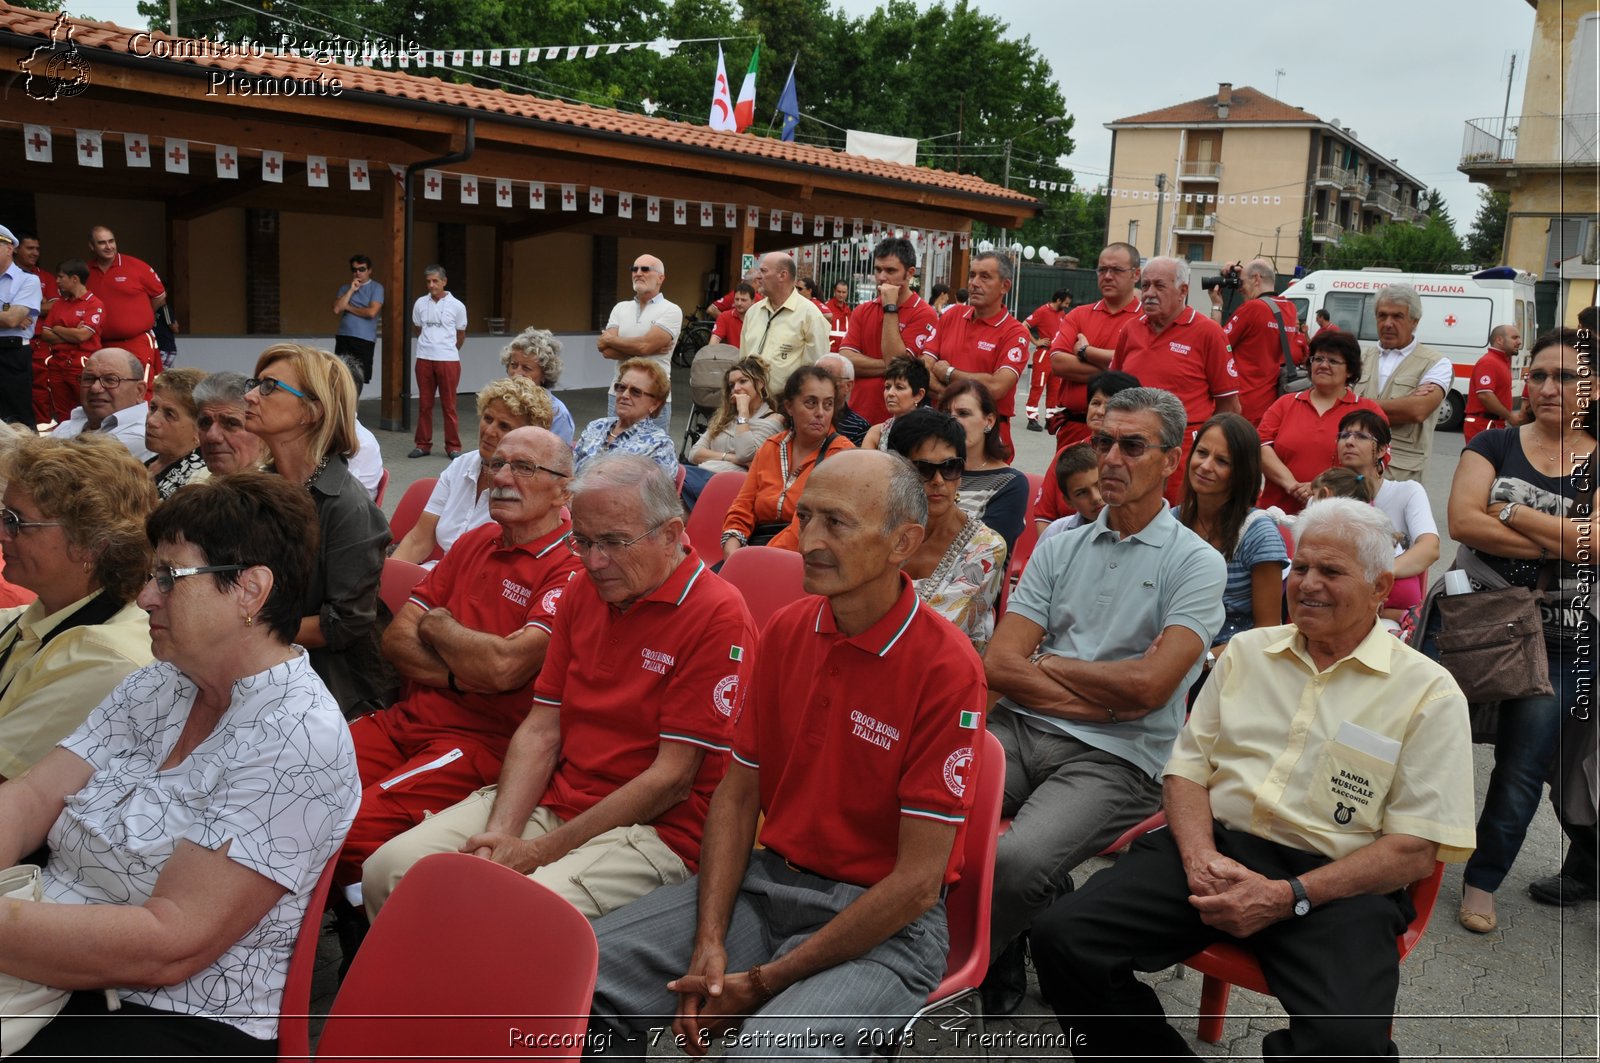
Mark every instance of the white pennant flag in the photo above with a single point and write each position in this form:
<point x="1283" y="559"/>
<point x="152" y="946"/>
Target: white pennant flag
<point x="818" y="225"/>
<point x="515" y="56"/>
<point x="469" y="189"/>
<point x="536" y="195"/>
<point x="797" y="223"/>
<point x="730" y="216"/>
<point x="503" y="192"/>
<point x="227" y="162"/>
<point x="136" y="150"/>
<point x="752" y="216"/>
<point x="477" y="57"/>
<point x="438" y="58"/>
<point x="89" y="148"/>
<point x="680" y="212"/>
<point x="316" y="171"/>
<point x="432" y="184"/>
<point x="36" y="143"/>
<point x="855" y="228"/>
<point x="775" y="221"/>
<point x="625" y="205"/>
<point x="706" y="216"/>
<point x="838" y="228"/>
<point x="422" y="60"/>
<point x="177" y="153"/>
<point x="458" y="58"/>
<point x="569" y="197"/>
<point x="494" y="57"/>
<point x="1277" y="201"/>
<point x="360" y="176"/>
<point x="652" y="208"/>
<point x="597" y="201"/>
<point x="272" y="167"/>
<point x="827" y="253"/>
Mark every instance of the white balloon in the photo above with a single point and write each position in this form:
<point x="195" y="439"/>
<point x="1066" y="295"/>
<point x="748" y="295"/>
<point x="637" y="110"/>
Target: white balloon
<point x="1016" y="249"/>
<point x="1028" y="252"/>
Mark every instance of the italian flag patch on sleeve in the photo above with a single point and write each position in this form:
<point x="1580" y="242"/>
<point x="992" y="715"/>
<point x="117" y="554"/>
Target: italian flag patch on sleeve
<point x="735" y="653"/>
<point x="969" y="720"/>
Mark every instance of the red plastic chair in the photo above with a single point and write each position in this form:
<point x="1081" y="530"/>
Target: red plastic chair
<point x="967" y="904"/>
<point x="704" y="527"/>
<point x="677" y="479"/>
<point x="383" y="489"/>
<point x="768" y="578"/>
<point x="395" y="585"/>
<point x="1154" y="821"/>
<point x="294" y="1034"/>
<point x="409" y="508"/>
<point x="467" y="960"/>
<point x="1030" y="533"/>
<point x="1226" y="964"/>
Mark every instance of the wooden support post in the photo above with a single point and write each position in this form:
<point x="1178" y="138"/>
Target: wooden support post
<point x="396" y="316"/>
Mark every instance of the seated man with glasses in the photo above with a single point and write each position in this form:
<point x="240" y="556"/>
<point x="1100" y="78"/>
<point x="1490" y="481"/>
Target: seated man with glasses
<point x="1100" y="643"/>
<point x="469" y="642"/>
<point x="111" y="389"/>
<point x="605" y="786"/>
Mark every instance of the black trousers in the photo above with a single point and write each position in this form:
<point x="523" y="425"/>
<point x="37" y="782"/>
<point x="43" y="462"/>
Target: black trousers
<point x="356" y="352"/>
<point x="1336" y="971"/>
<point x="16" y="382"/>
<point x="86" y="1030"/>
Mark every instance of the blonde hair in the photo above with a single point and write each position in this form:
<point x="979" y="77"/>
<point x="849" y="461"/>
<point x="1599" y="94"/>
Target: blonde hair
<point x="658" y="377"/>
<point x="525" y="399"/>
<point x="328" y="384"/>
<point x="179" y="384"/>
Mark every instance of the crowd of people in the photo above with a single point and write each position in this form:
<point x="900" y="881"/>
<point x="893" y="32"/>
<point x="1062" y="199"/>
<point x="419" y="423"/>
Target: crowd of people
<point x="203" y="702"/>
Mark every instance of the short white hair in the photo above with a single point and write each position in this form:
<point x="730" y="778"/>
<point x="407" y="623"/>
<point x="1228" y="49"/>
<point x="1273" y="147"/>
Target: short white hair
<point x="1366" y="528"/>
<point x="847" y="369"/>
<point x="1180" y="268"/>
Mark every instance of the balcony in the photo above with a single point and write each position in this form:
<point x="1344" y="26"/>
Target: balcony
<point x="1326" y="230"/>
<point x="1385" y="202"/>
<point x="1498" y="148"/>
<point x="1353" y="185"/>
<point x="1333" y="176"/>
<point x="1197" y="224"/>
<point x="1199" y="170"/>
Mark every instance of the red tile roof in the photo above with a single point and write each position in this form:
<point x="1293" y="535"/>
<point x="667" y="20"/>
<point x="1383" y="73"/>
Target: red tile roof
<point x="400" y="85"/>
<point x="1247" y="105"/>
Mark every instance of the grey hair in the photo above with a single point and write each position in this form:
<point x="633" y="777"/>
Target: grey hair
<point x="1180" y="268"/>
<point x="1002" y="263"/>
<point x="656" y="490"/>
<point x="1164" y="404"/>
<point x="135" y="367"/>
<point x="435" y="270"/>
<point x="785" y="263"/>
<point x="224" y="387"/>
<point x="1365" y="527"/>
<point x="1261" y="269"/>
<point x="542" y="344"/>
<point x="847" y="369"/>
<point x="904" y="501"/>
<point x="1403" y="294"/>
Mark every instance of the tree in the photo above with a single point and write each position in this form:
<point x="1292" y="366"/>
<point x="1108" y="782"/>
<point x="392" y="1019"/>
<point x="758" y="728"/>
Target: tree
<point x="1429" y="248"/>
<point x="1488" y="236"/>
<point x="1431" y="202"/>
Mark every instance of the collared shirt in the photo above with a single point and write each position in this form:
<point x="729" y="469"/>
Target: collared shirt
<point x="985" y="345"/>
<point x="1254" y="339"/>
<point x="785" y="337"/>
<point x="1441" y="372"/>
<point x="632" y="321"/>
<point x="1104" y="597"/>
<point x="126" y="426"/>
<point x="1304" y="440"/>
<point x="644" y="438"/>
<point x="1101" y="326"/>
<point x="366" y="464"/>
<point x="86" y="311"/>
<point x="498" y="590"/>
<point x="729" y="328"/>
<point x="456" y="500"/>
<point x="363" y="328"/>
<point x="46" y="692"/>
<point x="1491" y="373"/>
<point x="440" y="320"/>
<point x="672" y="667"/>
<point x="1188" y="358"/>
<point x="126" y="288"/>
<point x="1329" y="761"/>
<point x="864" y="335"/>
<point x="853" y="734"/>
<point x="18" y="287"/>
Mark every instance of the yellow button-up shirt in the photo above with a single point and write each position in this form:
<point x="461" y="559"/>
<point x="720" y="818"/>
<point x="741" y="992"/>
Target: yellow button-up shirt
<point x="1329" y="761"/>
<point x="785" y="337"/>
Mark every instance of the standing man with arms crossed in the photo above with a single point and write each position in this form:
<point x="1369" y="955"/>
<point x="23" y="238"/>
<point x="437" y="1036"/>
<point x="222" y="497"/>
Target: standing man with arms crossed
<point x="132" y="294"/>
<point x="1409" y="383"/>
<point x="1082" y="347"/>
<point x="20" y="299"/>
<point x="897" y="322"/>
<point x="1489" y="388"/>
<point x="646" y="326"/>
<point x="1254" y="337"/>
<point x="357" y="308"/>
<point x="70" y="331"/>
<point x="440" y="321"/>
<point x="27" y="256"/>
<point x="982" y="341"/>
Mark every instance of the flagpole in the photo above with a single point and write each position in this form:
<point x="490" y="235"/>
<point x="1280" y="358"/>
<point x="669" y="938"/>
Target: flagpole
<point x="792" y="64"/>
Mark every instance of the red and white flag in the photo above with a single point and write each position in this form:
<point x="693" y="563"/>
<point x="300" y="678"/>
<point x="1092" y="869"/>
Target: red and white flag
<point x="744" y="109"/>
<point x="503" y="192"/>
<point x="855" y="228"/>
<point x="89" y="148"/>
<point x="625" y="205"/>
<point x="469" y="189"/>
<point x="818" y="225"/>
<point x="360" y="176"/>
<point x="569" y="197"/>
<point x="136" y="150"/>
<point x="752" y="216"/>
<point x="316" y="171"/>
<point x="838" y="228"/>
<point x="227" y="157"/>
<point x="797" y="223"/>
<point x="730" y="216"/>
<point x="597" y="201"/>
<point x="706" y="216"/>
<point x="652" y="209"/>
<point x="272" y="166"/>
<point x="36" y="143"/>
<point x="680" y="212"/>
<point x="536" y="195"/>
<point x="721" y="116"/>
<point x="177" y="153"/>
<point x="775" y="221"/>
<point x="432" y="184"/>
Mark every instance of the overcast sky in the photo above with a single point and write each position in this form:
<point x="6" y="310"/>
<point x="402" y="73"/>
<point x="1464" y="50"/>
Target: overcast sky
<point x="1405" y="74"/>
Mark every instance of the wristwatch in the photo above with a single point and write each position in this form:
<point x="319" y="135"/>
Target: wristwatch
<point x="949" y="371"/>
<point x="891" y="308"/>
<point x="1302" y="903"/>
<point x="1505" y="513"/>
<point x="741" y="420"/>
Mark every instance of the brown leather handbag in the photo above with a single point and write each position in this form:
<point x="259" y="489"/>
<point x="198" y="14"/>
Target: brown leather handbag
<point x="1493" y="643"/>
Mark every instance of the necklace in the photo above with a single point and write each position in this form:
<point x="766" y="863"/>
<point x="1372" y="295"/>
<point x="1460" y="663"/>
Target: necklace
<point x="323" y="464"/>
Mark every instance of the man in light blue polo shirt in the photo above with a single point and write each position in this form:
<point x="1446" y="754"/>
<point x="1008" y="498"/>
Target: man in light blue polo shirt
<point x="357" y="307"/>
<point x="20" y="299"/>
<point x="1094" y="657"/>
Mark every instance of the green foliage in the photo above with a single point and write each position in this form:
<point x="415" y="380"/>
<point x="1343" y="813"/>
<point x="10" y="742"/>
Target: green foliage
<point x="1429" y="248"/>
<point x="1487" y="238"/>
<point x="1431" y="202"/>
<point x="37" y="5"/>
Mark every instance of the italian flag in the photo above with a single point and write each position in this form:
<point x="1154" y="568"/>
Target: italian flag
<point x="744" y="111"/>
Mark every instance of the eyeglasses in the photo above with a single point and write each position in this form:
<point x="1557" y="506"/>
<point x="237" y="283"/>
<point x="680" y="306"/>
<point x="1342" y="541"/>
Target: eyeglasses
<point x="13" y="522"/>
<point x="109" y="381"/>
<point x="1322" y="359"/>
<point x="1538" y="378"/>
<point x="167" y="577"/>
<point x="950" y="469"/>
<point x="523" y="470"/>
<point x="1112" y="271"/>
<point x="608" y="545"/>
<point x="1351" y="433"/>
<point x="620" y="389"/>
<point x="359" y="269"/>
<point x="1132" y="446"/>
<point x="644" y="269"/>
<point x="267" y="385"/>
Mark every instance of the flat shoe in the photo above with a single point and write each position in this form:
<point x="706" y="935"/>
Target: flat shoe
<point x="418" y="453"/>
<point x="1477" y="922"/>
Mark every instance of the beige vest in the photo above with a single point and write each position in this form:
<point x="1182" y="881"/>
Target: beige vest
<point x="1412" y="442"/>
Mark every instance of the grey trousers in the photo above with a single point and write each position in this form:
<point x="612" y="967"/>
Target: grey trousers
<point x="842" y="1012"/>
<point x="1068" y="801"/>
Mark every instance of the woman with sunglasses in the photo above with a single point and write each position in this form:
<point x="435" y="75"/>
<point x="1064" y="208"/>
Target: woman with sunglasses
<point x="460" y="498"/>
<point x="73" y="534"/>
<point x="191" y="814"/>
<point x="1297" y="431"/>
<point x="961" y="565"/>
<point x="302" y="404"/>
<point x="991" y="489"/>
<point x="743" y="422"/>
<point x="641" y="389"/>
<point x="905" y="387"/>
<point x="1522" y="506"/>
<point x="1364" y="450"/>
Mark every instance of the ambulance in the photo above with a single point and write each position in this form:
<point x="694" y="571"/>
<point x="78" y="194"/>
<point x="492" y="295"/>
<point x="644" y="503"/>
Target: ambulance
<point x="1458" y="313"/>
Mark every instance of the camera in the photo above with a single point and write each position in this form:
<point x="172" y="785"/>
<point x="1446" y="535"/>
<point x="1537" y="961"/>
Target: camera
<point x="1230" y="280"/>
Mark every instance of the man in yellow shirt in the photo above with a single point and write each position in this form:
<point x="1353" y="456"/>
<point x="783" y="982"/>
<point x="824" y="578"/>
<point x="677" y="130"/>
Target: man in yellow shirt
<point x="1325" y="767"/>
<point x="785" y="329"/>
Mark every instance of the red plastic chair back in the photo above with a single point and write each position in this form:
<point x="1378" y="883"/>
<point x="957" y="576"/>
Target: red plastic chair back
<point x="396" y="582"/>
<point x="768" y="578"/>
<point x="409" y="508"/>
<point x="383" y="489"/>
<point x="467" y="960"/>
<point x="294" y="1035"/>
<point x="704" y="528"/>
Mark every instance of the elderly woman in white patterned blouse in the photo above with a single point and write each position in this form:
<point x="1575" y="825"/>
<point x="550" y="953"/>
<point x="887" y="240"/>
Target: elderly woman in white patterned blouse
<point x="190" y="816"/>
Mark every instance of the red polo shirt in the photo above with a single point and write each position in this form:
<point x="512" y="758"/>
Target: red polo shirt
<point x="47" y="282"/>
<point x="864" y="335"/>
<point x="1253" y="338"/>
<point x="126" y="290"/>
<point x="495" y="589"/>
<point x="1188" y="358"/>
<point x="1046" y="320"/>
<point x="726" y="302"/>
<point x="729" y="327"/>
<point x="671" y="668"/>
<point x="1304" y="440"/>
<point x="1490" y="373"/>
<point x="849" y="735"/>
<point x="838" y="315"/>
<point x="1102" y="327"/>
<point x="85" y="312"/>
<point x="990" y="344"/>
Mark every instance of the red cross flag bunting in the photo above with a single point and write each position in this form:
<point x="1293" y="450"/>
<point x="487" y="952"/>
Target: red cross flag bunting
<point x="469" y="189"/>
<point x="730" y="216"/>
<point x="227" y="162"/>
<point x="177" y="153"/>
<point x="597" y="201"/>
<point x="625" y="205"/>
<point x="818" y="225"/>
<point x="838" y="228"/>
<point x="706" y="215"/>
<point x="797" y="223"/>
<point x="503" y="192"/>
<point x="680" y="212"/>
<point x="536" y="195"/>
<point x="36" y="143"/>
<point x="272" y="166"/>
<point x="827" y="253"/>
<point x="855" y="228"/>
<point x="966" y="241"/>
<point x="805" y="255"/>
<point x="360" y="176"/>
<point x="136" y="150"/>
<point x="752" y="216"/>
<point x="316" y="171"/>
<point x="861" y="251"/>
<point x="652" y="208"/>
<point x="432" y="184"/>
<point x="775" y="221"/>
<point x="569" y="197"/>
<point x="89" y="148"/>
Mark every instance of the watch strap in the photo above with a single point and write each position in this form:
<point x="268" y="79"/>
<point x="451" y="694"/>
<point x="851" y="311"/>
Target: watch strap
<point x="1302" y="901"/>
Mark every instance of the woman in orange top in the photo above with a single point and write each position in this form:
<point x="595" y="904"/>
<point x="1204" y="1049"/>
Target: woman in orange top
<point x="763" y="513"/>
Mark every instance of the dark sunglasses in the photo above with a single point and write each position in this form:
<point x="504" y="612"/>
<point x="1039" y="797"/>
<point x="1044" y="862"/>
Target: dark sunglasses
<point x="950" y="469"/>
<point x="1131" y="446"/>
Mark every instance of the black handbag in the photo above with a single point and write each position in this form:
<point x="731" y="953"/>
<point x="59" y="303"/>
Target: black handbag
<point x="1291" y="377"/>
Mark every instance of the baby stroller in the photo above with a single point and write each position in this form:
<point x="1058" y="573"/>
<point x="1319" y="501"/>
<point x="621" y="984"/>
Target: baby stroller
<point x="710" y="364"/>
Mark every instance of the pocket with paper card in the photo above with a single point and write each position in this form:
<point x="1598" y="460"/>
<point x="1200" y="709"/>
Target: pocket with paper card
<point x="1353" y="779"/>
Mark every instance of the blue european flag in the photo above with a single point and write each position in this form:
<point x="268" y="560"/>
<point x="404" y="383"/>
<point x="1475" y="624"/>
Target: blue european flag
<point x="789" y="107"/>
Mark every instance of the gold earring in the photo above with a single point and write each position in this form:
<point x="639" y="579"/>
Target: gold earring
<point x="249" y="620"/>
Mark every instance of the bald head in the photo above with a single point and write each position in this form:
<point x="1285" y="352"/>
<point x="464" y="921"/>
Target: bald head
<point x="648" y="274"/>
<point x="531" y="483"/>
<point x="777" y="276"/>
<point x="861" y="516"/>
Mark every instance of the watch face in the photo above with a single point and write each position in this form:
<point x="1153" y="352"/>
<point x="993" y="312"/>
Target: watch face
<point x="1302" y="907"/>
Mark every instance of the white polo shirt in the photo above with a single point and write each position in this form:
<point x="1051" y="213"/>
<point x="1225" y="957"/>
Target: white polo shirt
<point x="440" y="320"/>
<point x="632" y="320"/>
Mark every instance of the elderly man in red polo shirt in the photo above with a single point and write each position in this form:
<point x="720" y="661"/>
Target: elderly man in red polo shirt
<point x="982" y="341"/>
<point x="857" y="744"/>
<point x="1176" y="348"/>
<point x="605" y="785"/>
